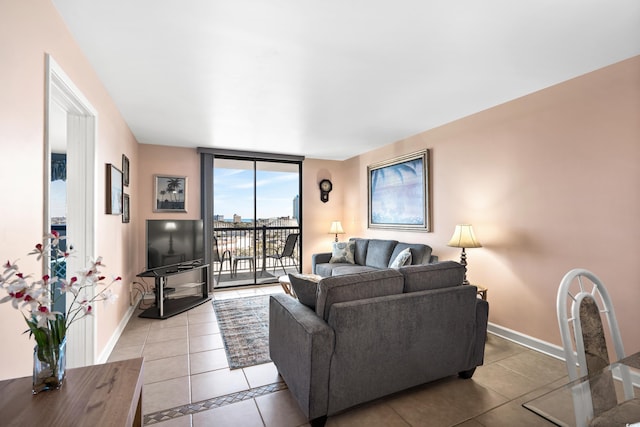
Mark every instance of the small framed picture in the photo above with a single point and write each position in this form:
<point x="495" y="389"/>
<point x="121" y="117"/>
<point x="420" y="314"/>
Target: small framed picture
<point x="114" y="190"/>
<point x="170" y="193"/>
<point x="125" y="170"/>
<point x="126" y="208"/>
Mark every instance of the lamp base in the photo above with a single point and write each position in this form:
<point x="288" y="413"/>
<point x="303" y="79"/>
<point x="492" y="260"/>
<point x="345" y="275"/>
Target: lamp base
<point x="463" y="262"/>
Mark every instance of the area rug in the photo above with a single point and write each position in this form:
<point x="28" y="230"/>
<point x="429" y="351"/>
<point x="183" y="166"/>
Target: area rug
<point x="244" y="325"/>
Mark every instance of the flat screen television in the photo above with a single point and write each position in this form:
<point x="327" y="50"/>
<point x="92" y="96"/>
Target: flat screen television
<point x="172" y="242"/>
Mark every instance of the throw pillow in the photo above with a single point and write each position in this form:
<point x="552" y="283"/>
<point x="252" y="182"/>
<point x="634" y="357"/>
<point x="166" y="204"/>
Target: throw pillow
<point x="305" y="289"/>
<point x="343" y="252"/>
<point x="403" y="258"/>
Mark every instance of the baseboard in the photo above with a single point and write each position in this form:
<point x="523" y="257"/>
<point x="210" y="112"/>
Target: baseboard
<point x="539" y="345"/>
<point x="104" y="356"/>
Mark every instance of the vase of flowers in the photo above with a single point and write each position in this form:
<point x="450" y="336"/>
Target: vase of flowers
<point x="35" y="299"/>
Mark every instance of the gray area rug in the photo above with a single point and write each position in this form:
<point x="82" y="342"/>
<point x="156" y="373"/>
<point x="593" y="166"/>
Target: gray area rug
<point x="244" y="325"/>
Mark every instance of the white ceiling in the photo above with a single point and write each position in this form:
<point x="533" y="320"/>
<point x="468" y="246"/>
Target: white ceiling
<point x="331" y="79"/>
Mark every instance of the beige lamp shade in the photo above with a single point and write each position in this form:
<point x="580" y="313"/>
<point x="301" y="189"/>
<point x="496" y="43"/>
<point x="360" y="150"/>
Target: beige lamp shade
<point x="463" y="237"/>
<point x="336" y="228"/>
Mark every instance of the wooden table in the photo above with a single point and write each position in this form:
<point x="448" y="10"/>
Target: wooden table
<point x="98" y="395"/>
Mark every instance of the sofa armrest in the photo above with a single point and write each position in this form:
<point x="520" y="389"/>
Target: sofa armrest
<point x="320" y="258"/>
<point x="433" y="259"/>
<point x="482" y="319"/>
<point x="301" y="345"/>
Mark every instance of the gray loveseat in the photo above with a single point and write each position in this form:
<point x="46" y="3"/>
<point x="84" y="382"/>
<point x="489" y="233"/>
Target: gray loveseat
<point x="376" y="333"/>
<point x="370" y="255"/>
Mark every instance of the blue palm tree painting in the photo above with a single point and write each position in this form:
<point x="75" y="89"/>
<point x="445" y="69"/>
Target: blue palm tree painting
<point x="398" y="194"/>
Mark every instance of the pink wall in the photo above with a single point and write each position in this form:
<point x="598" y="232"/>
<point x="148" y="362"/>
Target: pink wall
<point x="28" y="30"/>
<point x="549" y="182"/>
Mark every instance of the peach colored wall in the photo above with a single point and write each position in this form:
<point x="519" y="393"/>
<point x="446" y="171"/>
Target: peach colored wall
<point x="549" y="182"/>
<point x="162" y="160"/>
<point x="28" y="30"/>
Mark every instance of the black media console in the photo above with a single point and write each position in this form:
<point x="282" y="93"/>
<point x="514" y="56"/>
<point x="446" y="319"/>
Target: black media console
<point x="164" y="306"/>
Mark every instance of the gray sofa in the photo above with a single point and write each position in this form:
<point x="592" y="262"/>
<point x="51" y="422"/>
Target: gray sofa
<point x="370" y="255"/>
<point x="376" y="333"/>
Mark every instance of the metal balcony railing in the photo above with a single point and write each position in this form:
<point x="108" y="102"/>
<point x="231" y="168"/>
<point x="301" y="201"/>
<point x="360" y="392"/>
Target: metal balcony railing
<point x="250" y="253"/>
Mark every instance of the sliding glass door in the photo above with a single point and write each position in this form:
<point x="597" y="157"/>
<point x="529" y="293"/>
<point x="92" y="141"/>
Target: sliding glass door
<point x="255" y="219"/>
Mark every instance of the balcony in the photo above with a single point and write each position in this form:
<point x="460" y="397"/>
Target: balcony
<point x="246" y="254"/>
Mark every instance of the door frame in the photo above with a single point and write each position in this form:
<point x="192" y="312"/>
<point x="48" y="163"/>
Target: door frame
<point x="82" y="120"/>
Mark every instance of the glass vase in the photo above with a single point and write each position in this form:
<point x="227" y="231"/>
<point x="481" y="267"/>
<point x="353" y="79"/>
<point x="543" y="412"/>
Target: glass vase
<point x="49" y="366"/>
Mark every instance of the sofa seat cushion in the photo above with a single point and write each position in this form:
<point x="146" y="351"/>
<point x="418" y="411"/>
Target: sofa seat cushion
<point x="432" y="276"/>
<point x="351" y="269"/>
<point x="379" y="252"/>
<point x="350" y="287"/>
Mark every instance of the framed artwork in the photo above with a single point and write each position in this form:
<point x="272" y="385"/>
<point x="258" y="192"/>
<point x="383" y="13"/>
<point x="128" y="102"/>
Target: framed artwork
<point x="399" y="193"/>
<point x="125" y="170"/>
<point x="170" y="193"/>
<point x="114" y="190"/>
<point x="126" y="208"/>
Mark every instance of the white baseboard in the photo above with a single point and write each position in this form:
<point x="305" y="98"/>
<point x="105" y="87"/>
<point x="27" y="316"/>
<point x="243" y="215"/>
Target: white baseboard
<point x="104" y="356"/>
<point x="539" y="345"/>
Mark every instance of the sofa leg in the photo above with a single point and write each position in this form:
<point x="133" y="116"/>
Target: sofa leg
<point x="466" y="374"/>
<point x="318" y="422"/>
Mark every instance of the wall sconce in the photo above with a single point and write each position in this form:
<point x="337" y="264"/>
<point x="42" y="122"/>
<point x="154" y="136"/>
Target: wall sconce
<point x="336" y="228"/>
<point x="463" y="237"/>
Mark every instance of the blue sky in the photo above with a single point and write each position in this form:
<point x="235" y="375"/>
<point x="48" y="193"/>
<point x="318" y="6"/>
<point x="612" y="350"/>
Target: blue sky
<point x="233" y="193"/>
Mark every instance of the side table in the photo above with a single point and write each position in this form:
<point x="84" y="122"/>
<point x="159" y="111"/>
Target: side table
<point x="100" y="395"/>
<point x="482" y="292"/>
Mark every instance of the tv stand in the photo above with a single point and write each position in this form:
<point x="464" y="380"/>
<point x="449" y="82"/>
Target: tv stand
<point x="166" y="307"/>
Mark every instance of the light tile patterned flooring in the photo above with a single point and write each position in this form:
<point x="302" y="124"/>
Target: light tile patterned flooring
<point x="187" y="382"/>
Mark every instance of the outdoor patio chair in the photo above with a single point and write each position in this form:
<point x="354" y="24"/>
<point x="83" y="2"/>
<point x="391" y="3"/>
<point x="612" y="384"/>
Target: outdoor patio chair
<point x="287" y="252"/>
<point x="226" y="256"/>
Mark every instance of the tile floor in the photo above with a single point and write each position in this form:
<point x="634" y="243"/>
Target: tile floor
<point x="187" y="382"/>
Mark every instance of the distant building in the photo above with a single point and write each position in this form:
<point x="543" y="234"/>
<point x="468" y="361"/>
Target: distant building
<point x="237" y="218"/>
<point x="218" y="217"/>
<point x="296" y="208"/>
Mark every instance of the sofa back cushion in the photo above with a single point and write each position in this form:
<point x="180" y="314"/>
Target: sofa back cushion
<point x="350" y="287"/>
<point x="420" y="254"/>
<point x="379" y="252"/>
<point x="432" y="276"/>
<point x="360" y="254"/>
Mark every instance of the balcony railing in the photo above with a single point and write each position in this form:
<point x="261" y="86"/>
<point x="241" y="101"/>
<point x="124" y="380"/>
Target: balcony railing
<point x="245" y="253"/>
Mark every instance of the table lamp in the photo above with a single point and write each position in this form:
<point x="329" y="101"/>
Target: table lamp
<point x="336" y="228"/>
<point x="463" y="237"/>
<point x="170" y="227"/>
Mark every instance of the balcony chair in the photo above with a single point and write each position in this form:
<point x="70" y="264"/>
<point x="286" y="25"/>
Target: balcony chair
<point x="226" y="256"/>
<point x="582" y="303"/>
<point x="287" y="252"/>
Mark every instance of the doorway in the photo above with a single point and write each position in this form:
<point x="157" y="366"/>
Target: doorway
<point x="69" y="197"/>
<point x="255" y="218"/>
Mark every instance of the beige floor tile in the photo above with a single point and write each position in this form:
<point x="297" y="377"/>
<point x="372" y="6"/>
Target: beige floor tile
<point x="123" y="353"/>
<point x="205" y="343"/>
<point x="263" y="374"/>
<point x="280" y="409"/>
<point x="132" y="337"/>
<point x="165" y="369"/>
<point x="512" y="414"/>
<point x="164" y="349"/>
<point x="503" y="380"/>
<point x="445" y="402"/>
<point x="217" y="383"/>
<point x="539" y="368"/>
<point x="206" y="317"/>
<point x="179" y="320"/>
<point x="184" y="421"/>
<point x="375" y="414"/>
<point x="199" y="329"/>
<point x="207" y="307"/>
<point x="165" y="394"/>
<point x="497" y="348"/>
<point x="168" y="334"/>
<point x="205" y="361"/>
<point x="243" y="414"/>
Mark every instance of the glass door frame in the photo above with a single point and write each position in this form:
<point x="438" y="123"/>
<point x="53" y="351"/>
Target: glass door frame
<point x="207" y="164"/>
